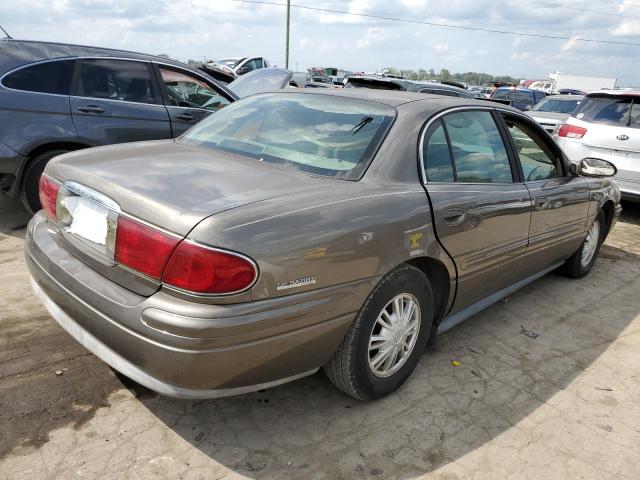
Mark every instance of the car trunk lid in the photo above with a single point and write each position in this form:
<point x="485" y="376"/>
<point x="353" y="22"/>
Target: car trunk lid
<point x="168" y="186"/>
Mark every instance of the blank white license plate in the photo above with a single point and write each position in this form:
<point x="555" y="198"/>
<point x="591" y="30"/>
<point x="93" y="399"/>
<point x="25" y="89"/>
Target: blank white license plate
<point x="88" y="220"/>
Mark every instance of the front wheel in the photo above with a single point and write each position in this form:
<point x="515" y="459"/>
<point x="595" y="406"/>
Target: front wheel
<point x="581" y="262"/>
<point x="387" y="338"/>
<point x="29" y="191"/>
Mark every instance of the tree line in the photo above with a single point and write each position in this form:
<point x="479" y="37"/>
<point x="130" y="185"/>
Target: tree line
<point x="470" y="78"/>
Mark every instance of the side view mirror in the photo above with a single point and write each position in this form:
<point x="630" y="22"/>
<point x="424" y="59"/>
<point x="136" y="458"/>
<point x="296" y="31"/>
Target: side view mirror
<point x="242" y="70"/>
<point x="596" y="167"/>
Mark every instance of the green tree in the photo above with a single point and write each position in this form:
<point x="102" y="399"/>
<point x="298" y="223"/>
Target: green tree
<point x="445" y="75"/>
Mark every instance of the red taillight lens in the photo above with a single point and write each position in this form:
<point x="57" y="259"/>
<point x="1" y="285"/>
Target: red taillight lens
<point x="571" y="131"/>
<point x="204" y="270"/>
<point x="142" y="248"/>
<point x="48" y="196"/>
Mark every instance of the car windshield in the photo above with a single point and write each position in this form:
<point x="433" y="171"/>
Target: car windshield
<point x="605" y="110"/>
<point x="229" y="62"/>
<point x="319" y="134"/>
<point x="557" y="106"/>
<point x="514" y="95"/>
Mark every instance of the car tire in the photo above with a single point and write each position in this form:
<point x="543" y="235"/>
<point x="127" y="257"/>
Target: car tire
<point x="581" y="262"/>
<point x="29" y="189"/>
<point x="350" y="369"/>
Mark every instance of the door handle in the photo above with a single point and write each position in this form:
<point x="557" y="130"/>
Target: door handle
<point x="453" y="216"/>
<point x="91" y="109"/>
<point x="541" y="203"/>
<point x="185" y="116"/>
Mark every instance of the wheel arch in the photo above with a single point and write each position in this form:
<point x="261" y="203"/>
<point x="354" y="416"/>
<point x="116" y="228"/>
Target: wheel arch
<point x="608" y="209"/>
<point x="440" y="280"/>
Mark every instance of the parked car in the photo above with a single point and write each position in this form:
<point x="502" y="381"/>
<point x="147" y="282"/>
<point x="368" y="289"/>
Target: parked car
<point x="55" y="98"/>
<point x="607" y="125"/>
<point x="228" y="69"/>
<point x="390" y="83"/>
<point x="520" y="98"/>
<point x="307" y="229"/>
<point x="554" y="110"/>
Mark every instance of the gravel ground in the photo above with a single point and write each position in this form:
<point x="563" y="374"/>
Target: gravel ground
<point x="561" y="403"/>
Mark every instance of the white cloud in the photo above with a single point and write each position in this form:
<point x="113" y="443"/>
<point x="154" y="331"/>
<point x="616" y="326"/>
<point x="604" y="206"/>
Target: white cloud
<point x="440" y="48"/>
<point x="628" y="28"/>
<point x="570" y="45"/>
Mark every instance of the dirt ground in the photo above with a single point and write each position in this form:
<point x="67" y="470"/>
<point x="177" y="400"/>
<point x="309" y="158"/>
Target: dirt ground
<point x="548" y="387"/>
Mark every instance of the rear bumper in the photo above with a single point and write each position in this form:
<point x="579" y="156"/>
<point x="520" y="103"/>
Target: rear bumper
<point x="183" y="349"/>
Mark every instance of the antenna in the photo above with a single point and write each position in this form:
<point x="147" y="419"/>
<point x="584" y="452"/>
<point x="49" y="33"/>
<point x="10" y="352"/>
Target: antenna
<point x="5" y="32"/>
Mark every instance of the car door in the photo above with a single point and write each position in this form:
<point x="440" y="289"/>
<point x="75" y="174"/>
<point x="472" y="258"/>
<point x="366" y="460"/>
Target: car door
<point x="117" y="101"/>
<point x="560" y="200"/>
<point x="481" y="213"/>
<point x="188" y="98"/>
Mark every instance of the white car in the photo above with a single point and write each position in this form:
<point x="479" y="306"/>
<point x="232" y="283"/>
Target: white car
<point x="606" y="125"/>
<point x="237" y="66"/>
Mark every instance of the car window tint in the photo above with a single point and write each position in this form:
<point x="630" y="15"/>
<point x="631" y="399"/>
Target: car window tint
<point x="184" y="90"/>
<point x="447" y="93"/>
<point x="478" y="151"/>
<point x="49" y="77"/>
<point x="551" y="104"/>
<point x="319" y="134"/>
<point x="437" y="156"/>
<point x="634" y="121"/>
<point x="537" y="159"/>
<point x="605" y="110"/>
<point x="116" y="80"/>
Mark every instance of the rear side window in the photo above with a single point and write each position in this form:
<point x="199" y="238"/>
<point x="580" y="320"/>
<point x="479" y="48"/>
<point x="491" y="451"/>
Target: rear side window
<point x="49" y="77"/>
<point x="479" y="153"/>
<point x="605" y="110"/>
<point x="635" y="115"/>
<point x="466" y="147"/>
<point x="116" y="80"/>
<point x="439" y="167"/>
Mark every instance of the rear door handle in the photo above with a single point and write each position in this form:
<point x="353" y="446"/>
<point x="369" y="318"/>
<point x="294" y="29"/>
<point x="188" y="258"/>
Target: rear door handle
<point x="185" y="116"/>
<point x="541" y="203"/>
<point x="453" y="216"/>
<point x="91" y="109"/>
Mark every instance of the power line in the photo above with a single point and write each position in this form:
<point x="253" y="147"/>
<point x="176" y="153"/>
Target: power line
<point x="584" y="10"/>
<point x="443" y="25"/>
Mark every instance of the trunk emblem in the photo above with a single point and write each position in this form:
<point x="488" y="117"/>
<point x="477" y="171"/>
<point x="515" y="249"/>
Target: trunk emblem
<point x="623" y="137"/>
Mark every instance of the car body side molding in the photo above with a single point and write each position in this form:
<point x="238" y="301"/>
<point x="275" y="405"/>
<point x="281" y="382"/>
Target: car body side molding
<point x="477" y="307"/>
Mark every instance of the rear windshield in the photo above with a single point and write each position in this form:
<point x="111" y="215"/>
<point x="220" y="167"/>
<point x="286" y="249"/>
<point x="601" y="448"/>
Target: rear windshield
<point x="514" y="95"/>
<point x="318" y="134"/>
<point x="555" y="105"/>
<point x="605" y="110"/>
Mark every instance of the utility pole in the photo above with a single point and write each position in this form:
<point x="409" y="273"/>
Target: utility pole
<point x="286" y="62"/>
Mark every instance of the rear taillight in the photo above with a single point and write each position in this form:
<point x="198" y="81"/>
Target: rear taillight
<point x="143" y="248"/>
<point x="203" y="269"/>
<point x="571" y="131"/>
<point x="48" y="196"/>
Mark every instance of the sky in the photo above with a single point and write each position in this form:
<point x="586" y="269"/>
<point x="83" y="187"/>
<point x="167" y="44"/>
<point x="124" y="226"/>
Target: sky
<point x="211" y="29"/>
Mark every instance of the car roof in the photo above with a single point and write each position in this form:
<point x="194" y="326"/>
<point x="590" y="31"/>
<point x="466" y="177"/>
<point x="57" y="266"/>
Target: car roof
<point x="397" y="98"/>
<point x="16" y="53"/>
<point x="520" y="89"/>
<point x="614" y="93"/>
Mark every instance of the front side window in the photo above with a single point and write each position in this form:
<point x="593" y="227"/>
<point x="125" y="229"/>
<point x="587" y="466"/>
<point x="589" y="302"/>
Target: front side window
<point x="318" y="134"/>
<point x="537" y="159"/>
<point x="184" y="90"/>
<point x="48" y="77"/>
<point x="478" y="150"/>
<point x="605" y="110"/>
<point x="116" y="80"/>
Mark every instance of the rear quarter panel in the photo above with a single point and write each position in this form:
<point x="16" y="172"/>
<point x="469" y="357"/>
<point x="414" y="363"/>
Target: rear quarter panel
<point x="349" y="232"/>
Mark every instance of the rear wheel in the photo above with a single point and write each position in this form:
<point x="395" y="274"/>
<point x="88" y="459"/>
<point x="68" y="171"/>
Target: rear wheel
<point x="581" y="262"/>
<point x="387" y="338"/>
<point x="29" y="191"/>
